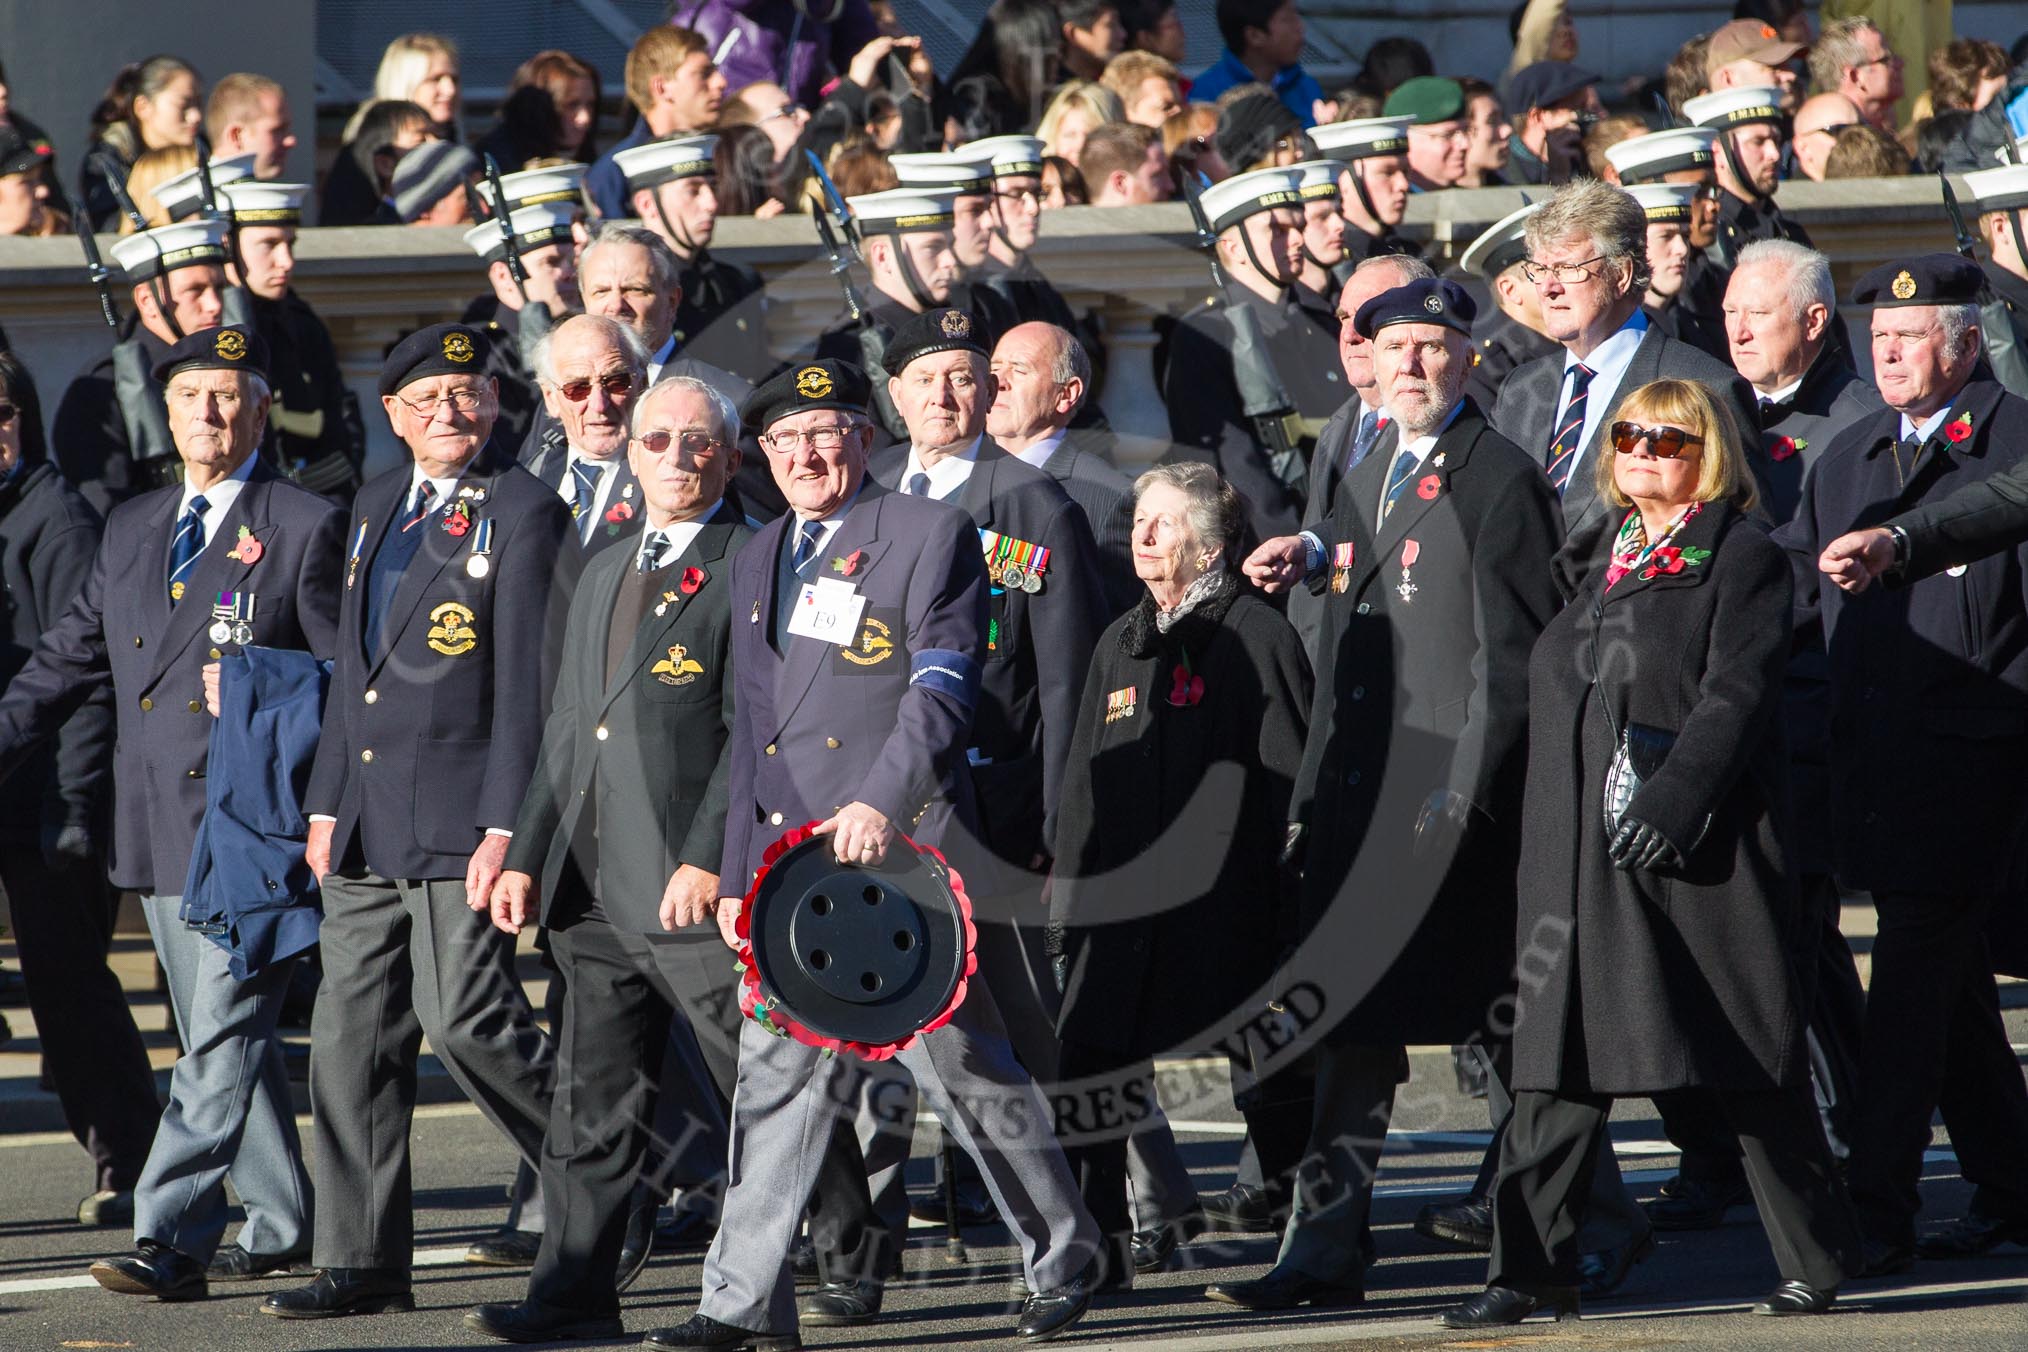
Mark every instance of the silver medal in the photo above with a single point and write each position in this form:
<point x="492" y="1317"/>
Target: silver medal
<point x="1032" y="583"/>
<point x="478" y="566"/>
<point x="1011" y="576"/>
<point x="242" y="633"/>
<point x="221" y="631"/>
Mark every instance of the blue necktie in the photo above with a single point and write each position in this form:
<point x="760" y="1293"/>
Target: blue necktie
<point x="806" y="547"/>
<point x="1363" y="439"/>
<point x="1570" y="435"/>
<point x="390" y="561"/>
<point x="1397" y="480"/>
<point x="651" y="551"/>
<point x="919" y="484"/>
<point x="584" y="495"/>
<point x="187" y="545"/>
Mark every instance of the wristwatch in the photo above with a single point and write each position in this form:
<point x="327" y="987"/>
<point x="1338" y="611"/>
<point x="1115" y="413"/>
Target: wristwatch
<point x="1900" y="540"/>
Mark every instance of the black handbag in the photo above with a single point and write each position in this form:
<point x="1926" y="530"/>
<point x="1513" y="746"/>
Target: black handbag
<point x="1636" y="760"/>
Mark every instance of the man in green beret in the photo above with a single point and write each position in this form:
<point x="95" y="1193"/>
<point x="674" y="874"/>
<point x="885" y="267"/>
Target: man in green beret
<point x="1438" y="138"/>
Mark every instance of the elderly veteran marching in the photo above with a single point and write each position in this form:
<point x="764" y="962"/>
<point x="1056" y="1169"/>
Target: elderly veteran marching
<point x="454" y="594"/>
<point x="859" y="634"/>
<point x="230" y="557"/>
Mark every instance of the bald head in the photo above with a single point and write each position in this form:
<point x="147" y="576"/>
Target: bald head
<point x="1817" y="125"/>
<point x="1368" y="280"/>
<point x="1040" y="376"/>
<point x="591" y="370"/>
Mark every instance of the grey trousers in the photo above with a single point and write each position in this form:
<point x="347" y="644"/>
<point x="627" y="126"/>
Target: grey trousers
<point x="230" y="1113"/>
<point x="787" y="1100"/>
<point x="1334" y="1185"/>
<point x="405" y="958"/>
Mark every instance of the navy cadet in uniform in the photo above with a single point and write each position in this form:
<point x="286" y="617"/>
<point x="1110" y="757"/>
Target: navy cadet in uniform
<point x="2000" y="197"/>
<point x="315" y="428"/>
<point x="1929" y="685"/>
<point x="1512" y="334"/>
<point x="1016" y="163"/>
<point x="1751" y="127"/>
<point x="1684" y="155"/>
<point x="906" y="237"/>
<point x="968" y="175"/>
<point x="228" y="558"/>
<point x="454" y="586"/>
<point x="867" y="735"/>
<point x="1669" y="208"/>
<point x="1372" y="182"/>
<point x="592" y="371"/>
<point x="1436" y="568"/>
<point x="545" y="233"/>
<point x="617" y="847"/>
<point x="672" y="185"/>
<point x="111" y="432"/>
<point x="1257" y="218"/>
<point x="1320" y="257"/>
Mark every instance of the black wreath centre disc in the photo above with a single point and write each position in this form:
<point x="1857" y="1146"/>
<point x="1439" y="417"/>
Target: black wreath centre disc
<point x="856" y="953"/>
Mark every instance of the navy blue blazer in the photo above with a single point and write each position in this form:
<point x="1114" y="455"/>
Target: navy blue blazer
<point x="250" y="890"/>
<point x="122" y="631"/>
<point x="431" y="742"/>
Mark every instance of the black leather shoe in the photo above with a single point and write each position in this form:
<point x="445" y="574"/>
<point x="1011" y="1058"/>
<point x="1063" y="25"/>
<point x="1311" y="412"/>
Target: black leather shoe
<point x="1693" y="1204"/>
<point x="638" y="1246"/>
<point x="506" y="1248"/>
<point x="1605" y="1272"/>
<point x="234" y="1264"/>
<point x="529" y="1322"/>
<point x="108" y="1207"/>
<point x="1156" y="1250"/>
<point x="1970" y="1236"/>
<point x="1497" y="1305"/>
<point x="1285" y="1289"/>
<point x="837" y="1304"/>
<point x="702" y="1333"/>
<point x="1045" y="1314"/>
<point x="343" y="1291"/>
<point x="153" y="1270"/>
<point x="1797" y="1298"/>
<point x="1243" y="1210"/>
<point x="971" y="1210"/>
<point x="1881" y="1259"/>
<point x="1463" y="1222"/>
<point x="685" y="1231"/>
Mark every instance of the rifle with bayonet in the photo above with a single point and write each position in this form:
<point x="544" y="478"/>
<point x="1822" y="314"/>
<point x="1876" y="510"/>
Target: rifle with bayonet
<point x="533" y="320"/>
<point x="1263" y="399"/>
<point x="142" y="412"/>
<point x="238" y="300"/>
<point x="872" y="342"/>
<point x="1997" y="337"/>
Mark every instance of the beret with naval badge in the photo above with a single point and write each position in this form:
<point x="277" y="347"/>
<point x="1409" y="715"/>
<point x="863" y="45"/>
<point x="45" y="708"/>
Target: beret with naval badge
<point x="1932" y="279"/>
<point x="230" y="348"/>
<point x="439" y="350"/>
<point x="1426" y="300"/>
<point x="942" y="330"/>
<point x="824" y="383"/>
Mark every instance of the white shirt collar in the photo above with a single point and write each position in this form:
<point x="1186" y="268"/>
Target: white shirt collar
<point x="663" y="356"/>
<point x="1782" y="395"/>
<point x="1038" y="454"/>
<point x="1925" y="429"/>
<point x="680" y="536"/>
<point x="1608" y="365"/>
<point x="1420" y="448"/>
<point x="218" y="498"/>
<point x="444" y="487"/>
<point x="948" y="475"/>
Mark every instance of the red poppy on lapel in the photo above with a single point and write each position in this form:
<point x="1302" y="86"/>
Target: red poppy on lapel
<point x="248" y="550"/>
<point x="693" y="578"/>
<point x="620" y="513"/>
<point x="1429" y="486"/>
<point x="1188" y="689"/>
<point x="1784" y="448"/>
<point x="848" y="565"/>
<point x="1959" y="427"/>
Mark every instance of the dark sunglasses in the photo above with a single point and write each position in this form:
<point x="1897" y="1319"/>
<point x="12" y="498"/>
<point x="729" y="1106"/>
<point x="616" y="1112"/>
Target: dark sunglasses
<point x="7" y="412"/>
<point x="1665" y="442"/>
<point x="618" y="385"/>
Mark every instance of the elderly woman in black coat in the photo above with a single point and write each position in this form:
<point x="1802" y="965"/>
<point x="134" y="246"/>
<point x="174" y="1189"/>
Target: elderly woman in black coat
<point x="1657" y="907"/>
<point x="1165" y="903"/>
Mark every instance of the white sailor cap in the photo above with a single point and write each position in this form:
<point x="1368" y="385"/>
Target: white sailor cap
<point x="1644" y="159"/>
<point x="254" y="201"/>
<point x="1010" y="156"/>
<point x="902" y="210"/>
<point x="1729" y="108"/>
<point x="2000" y="189"/>
<point x="1664" y="202"/>
<point x="1501" y="246"/>
<point x="667" y="160"/>
<point x="183" y="195"/>
<point x="1230" y="201"/>
<point x="150" y="253"/>
<point x="1317" y="179"/>
<point x="534" y="227"/>
<point x="1362" y="138"/>
<point x="957" y="171"/>
<point x="534" y="187"/>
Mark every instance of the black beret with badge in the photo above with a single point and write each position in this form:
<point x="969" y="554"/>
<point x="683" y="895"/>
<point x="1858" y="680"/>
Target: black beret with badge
<point x="823" y="383"/>
<point x="439" y="350"/>
<point x="1426" y="300"/>
<point x="1932" y="279"/>
<point x="943" y="330"/>
<point x="230" y="348"/>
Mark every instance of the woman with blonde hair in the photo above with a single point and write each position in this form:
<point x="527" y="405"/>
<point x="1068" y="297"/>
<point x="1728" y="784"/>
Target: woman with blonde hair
<point x="155" y="166"/>
<point x="1080" y="108"/>
<point x="421" y="68"/>
<point x="1656" y="841"/>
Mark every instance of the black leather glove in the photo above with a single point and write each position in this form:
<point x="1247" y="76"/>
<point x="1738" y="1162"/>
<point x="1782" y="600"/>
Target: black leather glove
<point x="1639" y="845"/>
<point x="1295" y="851"/>
<point x="1440" y="826"/>
<point x="1056" y="945"/>
<point x="67" y="840"/>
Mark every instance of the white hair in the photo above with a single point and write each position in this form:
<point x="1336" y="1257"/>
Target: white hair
<point x="1806" y="274"/>
<point x="632" y="350"/>
<point x="724" y="417"/>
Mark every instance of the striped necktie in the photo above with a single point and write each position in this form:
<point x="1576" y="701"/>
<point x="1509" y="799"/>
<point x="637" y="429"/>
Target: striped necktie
<point x="584" y="492"/>
<point x="652" y="546"/>
<point x="806" y="547"/>
<point x="1398" y="476"/>
<point x="1570" y="434"/>
<point x="187" y="545"/>
<point x="425" y="498"/>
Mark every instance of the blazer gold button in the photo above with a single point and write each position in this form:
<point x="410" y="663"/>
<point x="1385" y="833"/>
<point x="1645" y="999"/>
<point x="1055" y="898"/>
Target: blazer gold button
<point x="196" y="706"/>
<point x="366" y="756"/>
<point x="602" y="734"/>
<point x="373" y="697"/>
<point x="137" y="640"/>
<point x="146" y="704"/>
<point x="775" y="818"/>
<point x="216" y="654"/>
<point x="771" y="748"/>
<point x="831" y="742"/>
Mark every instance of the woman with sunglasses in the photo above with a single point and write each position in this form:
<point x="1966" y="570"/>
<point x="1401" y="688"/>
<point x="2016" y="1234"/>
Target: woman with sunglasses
<point x="1656" y="909"/>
